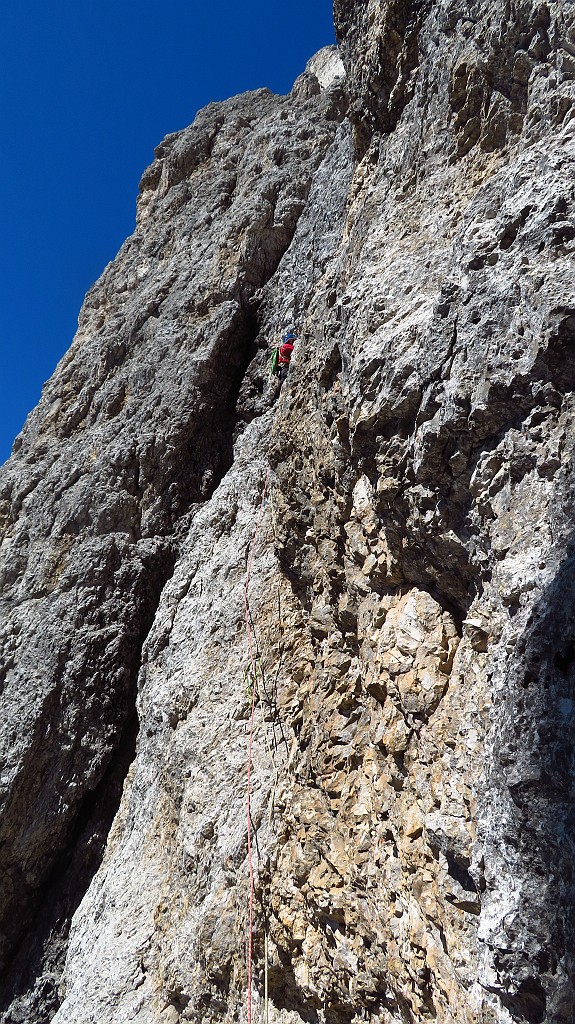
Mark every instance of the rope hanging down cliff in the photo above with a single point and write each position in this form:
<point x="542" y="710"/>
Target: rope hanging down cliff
<point x="250" y="746"/>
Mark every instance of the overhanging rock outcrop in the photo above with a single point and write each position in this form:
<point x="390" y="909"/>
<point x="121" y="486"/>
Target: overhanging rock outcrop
<point x="412" y="591"/>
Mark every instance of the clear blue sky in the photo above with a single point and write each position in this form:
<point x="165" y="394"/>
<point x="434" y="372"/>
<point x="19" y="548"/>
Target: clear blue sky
<point x="87" y="89"/>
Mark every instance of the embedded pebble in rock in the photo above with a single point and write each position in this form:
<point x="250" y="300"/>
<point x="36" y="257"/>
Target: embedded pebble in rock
<point x="410" y="208"/>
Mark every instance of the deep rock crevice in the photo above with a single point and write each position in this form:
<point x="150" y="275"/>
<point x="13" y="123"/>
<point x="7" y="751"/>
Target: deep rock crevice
<point x="30" y="982"/>
<point x="39" y="906"/>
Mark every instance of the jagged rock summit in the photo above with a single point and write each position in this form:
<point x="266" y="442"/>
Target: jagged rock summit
<point x="410" y="207"/>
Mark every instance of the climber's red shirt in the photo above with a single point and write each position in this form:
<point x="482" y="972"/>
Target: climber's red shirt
<point x="285" y="352"/>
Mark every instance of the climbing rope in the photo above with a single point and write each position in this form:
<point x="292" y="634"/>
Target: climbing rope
<point x="250" y="746"/>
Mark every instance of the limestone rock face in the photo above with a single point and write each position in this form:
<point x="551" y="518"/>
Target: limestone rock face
<point x="411" y="594"/>
<point x="132" y="437"/>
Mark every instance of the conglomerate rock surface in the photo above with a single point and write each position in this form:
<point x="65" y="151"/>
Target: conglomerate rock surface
<point x="412" y="589"/>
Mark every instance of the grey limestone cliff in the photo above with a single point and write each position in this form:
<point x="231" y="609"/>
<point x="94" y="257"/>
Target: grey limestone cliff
<point x="412" y="591"/>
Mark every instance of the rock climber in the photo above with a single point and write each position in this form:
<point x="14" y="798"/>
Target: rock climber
<point x="282" y="355"/>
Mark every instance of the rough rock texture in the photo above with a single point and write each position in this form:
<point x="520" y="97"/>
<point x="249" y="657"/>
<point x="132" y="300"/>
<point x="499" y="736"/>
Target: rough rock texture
<point x="132" y="436"/>
<point x="412" y="592"/>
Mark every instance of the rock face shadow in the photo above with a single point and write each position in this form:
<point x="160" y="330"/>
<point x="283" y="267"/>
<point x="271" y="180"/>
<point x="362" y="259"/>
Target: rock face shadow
<point x="29" y="987"/>
<point x="533" y="768"/>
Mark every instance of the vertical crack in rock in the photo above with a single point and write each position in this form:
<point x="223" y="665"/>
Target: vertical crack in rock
<point x="31" y="979"/>
<point x="41" y="912"/>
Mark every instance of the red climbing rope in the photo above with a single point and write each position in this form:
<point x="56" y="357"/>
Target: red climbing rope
<point x="250" y="746"/>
